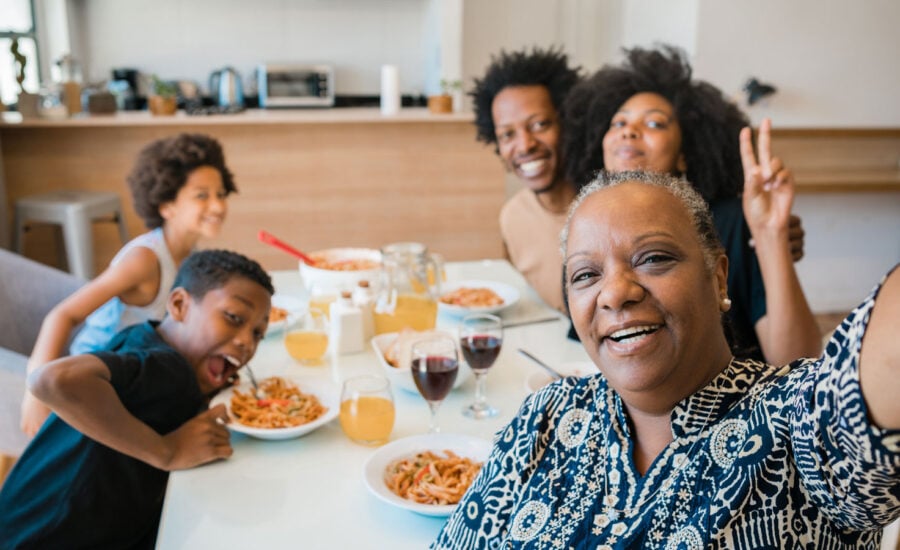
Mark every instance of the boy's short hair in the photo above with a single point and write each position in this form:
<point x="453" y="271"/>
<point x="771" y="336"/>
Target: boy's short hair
<point x="207" y="270"/>
<point x="162" y="168"/>
<point x="548" y="68"/>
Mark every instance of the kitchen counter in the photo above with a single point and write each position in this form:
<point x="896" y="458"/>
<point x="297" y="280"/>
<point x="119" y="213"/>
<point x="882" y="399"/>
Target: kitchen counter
<point x="344" y="115"/>
<point x="316" y="178"/>
<point x="351" y="177"/>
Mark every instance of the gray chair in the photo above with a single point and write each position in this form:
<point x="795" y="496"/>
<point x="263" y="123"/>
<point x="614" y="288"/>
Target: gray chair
<point x="28" y="291"/>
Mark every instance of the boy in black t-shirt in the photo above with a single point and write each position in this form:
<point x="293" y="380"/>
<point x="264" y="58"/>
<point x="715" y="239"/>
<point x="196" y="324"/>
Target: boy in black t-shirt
<point x="95" y="475"/>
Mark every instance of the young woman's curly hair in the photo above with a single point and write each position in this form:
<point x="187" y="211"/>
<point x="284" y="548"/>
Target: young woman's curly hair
<point x="709" y="122"/>
<point x="162" y="169"/>
<point x="548" y="68"/>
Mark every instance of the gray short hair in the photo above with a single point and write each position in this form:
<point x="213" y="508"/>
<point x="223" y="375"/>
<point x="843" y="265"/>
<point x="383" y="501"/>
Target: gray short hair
<point x="697" y="208"/>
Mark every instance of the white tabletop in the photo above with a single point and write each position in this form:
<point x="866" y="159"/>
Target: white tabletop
<point x="309" y="492"/>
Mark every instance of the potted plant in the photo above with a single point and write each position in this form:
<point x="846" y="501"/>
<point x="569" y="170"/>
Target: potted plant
<point x="27" y="103"/>
<point x="443" y="103"/>
<point x="163" y="100"/>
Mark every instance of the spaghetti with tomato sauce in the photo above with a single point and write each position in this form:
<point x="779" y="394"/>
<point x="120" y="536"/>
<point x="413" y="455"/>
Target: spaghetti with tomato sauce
<point x="278" y="404"/>
<point x="428" y="478"/>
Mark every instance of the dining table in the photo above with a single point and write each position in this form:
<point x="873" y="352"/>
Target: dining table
<point x="309" y="492"/>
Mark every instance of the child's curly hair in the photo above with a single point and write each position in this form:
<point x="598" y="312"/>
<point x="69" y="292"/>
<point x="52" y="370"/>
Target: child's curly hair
<point x="162" y="168"/>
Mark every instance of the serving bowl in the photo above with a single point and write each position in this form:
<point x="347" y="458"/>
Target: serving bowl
<point x="335" y="279"/>
<point x="401" y="377"/>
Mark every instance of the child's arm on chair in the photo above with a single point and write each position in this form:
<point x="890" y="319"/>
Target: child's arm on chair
<point x="78" y="389"/>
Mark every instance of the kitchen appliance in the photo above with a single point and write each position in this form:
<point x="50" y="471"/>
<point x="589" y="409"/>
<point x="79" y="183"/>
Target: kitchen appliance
<point x="225" y="88"/>
<point x="295" y="85"/>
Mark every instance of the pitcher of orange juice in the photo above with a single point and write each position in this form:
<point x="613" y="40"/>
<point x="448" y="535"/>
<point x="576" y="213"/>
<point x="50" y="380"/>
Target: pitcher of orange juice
<point x="408" y="289"/>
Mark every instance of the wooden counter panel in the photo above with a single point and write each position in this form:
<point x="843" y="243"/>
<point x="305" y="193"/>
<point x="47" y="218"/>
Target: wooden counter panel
<point x="841" y="160"/>
<point x="315" y="185"/>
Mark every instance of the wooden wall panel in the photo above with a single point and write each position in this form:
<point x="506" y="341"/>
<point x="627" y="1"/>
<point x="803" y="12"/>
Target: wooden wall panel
<point x="315" y="185"/>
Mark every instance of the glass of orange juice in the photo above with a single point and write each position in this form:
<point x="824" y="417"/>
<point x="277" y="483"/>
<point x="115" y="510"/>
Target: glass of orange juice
<point x="307" y="340"/>
<point x="367" y="409"/>
<point x="321" y="297"/>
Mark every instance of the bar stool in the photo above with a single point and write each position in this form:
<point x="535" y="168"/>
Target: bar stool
<point x="74" y="211"/>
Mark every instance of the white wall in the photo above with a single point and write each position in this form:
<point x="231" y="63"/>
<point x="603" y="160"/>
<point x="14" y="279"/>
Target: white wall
<point x="188" y="39"/>
<point x="834" y="62"/>
<point x="851" y="241"/>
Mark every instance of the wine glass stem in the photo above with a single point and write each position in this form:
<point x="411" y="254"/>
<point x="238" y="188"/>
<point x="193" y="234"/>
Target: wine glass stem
<point x="433" y="425"/>
<point x="480" y="399"/>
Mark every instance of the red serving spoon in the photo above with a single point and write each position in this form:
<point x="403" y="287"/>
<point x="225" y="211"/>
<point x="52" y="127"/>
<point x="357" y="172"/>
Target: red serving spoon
<point x="268" y="238"/>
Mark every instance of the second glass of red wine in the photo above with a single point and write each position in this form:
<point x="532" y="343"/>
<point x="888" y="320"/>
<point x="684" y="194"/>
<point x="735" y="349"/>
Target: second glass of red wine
<point x="435" y="363"/>
<point x="480" y="338"/>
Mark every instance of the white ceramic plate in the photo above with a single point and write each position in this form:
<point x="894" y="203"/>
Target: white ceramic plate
<point x="509" y="294"/>
<point x="294" y="307"/>
<point x="373" y="470"/>
<point x="327" y="392"/>
<point x="539" y="378"/>
<point x="402" y="377"/>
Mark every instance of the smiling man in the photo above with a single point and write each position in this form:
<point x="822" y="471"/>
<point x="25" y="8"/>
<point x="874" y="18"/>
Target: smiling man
<point x="517" y="105"/>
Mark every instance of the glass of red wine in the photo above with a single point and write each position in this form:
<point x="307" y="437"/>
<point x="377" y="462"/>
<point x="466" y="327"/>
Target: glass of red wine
<point x="435" y="363"/>
<point x="481" y="336"/>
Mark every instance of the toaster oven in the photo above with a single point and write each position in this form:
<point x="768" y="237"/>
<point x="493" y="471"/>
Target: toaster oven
<point x="295" y="85"/>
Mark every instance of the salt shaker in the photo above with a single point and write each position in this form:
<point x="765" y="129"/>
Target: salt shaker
<point x="364" y="299"/>
<point x="346" y="325"/>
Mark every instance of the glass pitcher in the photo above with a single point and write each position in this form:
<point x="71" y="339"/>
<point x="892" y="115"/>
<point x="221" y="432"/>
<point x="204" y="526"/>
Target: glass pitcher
<point x="408" y="290"/>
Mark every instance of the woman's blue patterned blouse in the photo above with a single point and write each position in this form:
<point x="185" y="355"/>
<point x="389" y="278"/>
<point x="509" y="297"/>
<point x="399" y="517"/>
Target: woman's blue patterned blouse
<point x="763" y="457"/>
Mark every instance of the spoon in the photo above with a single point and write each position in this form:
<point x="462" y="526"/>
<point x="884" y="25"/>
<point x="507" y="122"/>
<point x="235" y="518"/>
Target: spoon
<point x="268" y="238"/>
<point x="550" y="370"/>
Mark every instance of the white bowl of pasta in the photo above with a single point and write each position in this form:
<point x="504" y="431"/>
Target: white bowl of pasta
<point x="342" y="268"/>
<point x="285" y="407"/>
<point x="385" y="471"/>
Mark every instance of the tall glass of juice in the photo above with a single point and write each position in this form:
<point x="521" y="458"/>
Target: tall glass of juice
<point x="307" y="340"/>
<point x="367" y="409"/>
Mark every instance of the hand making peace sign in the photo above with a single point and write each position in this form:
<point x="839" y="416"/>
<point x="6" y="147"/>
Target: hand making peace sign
<point x="768" y="185"/>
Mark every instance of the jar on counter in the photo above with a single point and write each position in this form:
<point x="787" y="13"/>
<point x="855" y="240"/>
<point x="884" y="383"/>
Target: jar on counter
<point x="51" y="103"/>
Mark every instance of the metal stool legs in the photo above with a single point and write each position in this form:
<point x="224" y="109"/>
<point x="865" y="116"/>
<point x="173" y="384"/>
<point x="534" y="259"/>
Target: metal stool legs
<point x="74" y="212"/>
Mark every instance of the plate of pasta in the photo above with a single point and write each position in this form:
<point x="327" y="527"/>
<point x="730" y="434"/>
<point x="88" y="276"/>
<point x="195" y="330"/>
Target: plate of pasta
<point x="475" y="296"/>
<point x="427" y="474"/>
<point x="283" y="408"/>
<point x="285" y="312"/>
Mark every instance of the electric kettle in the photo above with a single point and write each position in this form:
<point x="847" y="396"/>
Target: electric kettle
<point x="225" y="88"/>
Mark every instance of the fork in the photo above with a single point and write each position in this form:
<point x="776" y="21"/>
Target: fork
<point x="550" y="370"/>
<point x="252" y="380"/>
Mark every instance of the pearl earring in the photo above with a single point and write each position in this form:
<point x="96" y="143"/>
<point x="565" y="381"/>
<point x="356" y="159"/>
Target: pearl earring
<point x="726" y="304"/>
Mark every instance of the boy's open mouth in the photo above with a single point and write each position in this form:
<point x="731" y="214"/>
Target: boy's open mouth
<point x="220" y="368"/>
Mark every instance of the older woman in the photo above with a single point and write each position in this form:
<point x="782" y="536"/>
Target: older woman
<point x="676" y="443"/>
<point x="650" y="114"/>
